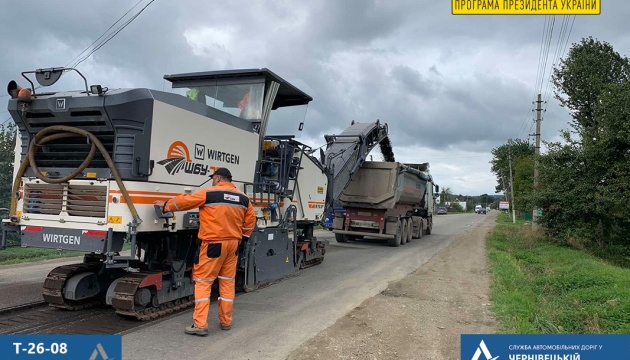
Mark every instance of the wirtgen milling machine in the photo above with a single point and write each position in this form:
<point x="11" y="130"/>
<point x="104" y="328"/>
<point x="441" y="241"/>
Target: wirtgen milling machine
<point x="93" y="162"/>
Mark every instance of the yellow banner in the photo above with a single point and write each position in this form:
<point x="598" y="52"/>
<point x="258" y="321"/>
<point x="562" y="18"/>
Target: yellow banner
<point x="526" y="7"/>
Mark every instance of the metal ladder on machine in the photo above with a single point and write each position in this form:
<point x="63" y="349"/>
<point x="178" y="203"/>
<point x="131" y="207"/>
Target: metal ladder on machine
<point x="276" y="169"/>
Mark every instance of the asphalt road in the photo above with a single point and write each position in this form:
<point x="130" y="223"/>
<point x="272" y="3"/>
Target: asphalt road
<point x="22" y="283"/>
<point x="271" y="322"/>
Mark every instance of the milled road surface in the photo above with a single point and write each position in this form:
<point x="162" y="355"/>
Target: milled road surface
<point x="22" y="283"/>
<point x="273" y="322"/>
<point x="421" y="316"/>
<point x="297" y="317"/>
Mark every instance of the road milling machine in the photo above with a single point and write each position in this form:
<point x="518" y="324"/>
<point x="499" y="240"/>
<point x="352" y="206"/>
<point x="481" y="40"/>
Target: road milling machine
<point x="93" y="162"/>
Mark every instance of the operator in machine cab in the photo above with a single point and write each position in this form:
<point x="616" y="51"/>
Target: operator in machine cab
<point x="226" y="217"/>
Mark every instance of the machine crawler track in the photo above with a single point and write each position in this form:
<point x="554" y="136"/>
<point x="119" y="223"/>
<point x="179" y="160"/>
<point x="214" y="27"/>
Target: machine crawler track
<point x="310" y="263"/>
<point x="125" y="296"/>
<point x="56" y="281"/>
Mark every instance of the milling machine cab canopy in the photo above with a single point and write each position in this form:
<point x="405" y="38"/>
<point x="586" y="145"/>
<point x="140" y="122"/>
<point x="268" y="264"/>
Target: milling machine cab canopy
<point x="249" y="94"/>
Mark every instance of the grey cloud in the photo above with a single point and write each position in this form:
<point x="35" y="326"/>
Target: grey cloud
<point x="411" y="80"/>
<point x="353" y="22"/>
<point x="390" y="42"/>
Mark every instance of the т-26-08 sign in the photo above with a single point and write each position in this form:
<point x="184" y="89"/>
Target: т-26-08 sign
<point x="178" y="159"/>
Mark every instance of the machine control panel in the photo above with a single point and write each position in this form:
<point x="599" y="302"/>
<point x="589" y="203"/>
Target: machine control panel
<point x="191" y="220"/>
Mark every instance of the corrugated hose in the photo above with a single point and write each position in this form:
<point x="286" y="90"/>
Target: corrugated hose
<point x="59" y="132"/>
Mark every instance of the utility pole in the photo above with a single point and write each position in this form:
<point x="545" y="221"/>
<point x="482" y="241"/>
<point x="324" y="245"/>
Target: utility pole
<point x="511" y="185"/>
<point x="536" y="155"/>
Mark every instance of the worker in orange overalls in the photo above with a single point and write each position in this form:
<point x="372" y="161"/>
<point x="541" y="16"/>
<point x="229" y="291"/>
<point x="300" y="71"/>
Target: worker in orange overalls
<point x="226" y="217"/>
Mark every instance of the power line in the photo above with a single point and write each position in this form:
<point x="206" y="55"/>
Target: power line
<point x="567" y="42"/>
<point x="529" y="133"/>
<point x="543" y="52"/>
<point x="564" y="37"/>
<point x="113" y="35"/>
<point x="559" y="45"/>
<point x="7" y="120"/>
<point x="540" y="52"/>
<point x="524" y="124"/>
<point x="548" y="33"/>
<point x="546" y="56"/>
<point x="94" y="42"/>
<point x="561" y="53"/>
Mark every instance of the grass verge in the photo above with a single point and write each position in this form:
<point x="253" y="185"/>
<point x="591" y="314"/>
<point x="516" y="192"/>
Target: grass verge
<point x="17" y="255"/>
<point x="541" y="288"/>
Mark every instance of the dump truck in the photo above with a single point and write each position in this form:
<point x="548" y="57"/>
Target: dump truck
<point x="387" y="200"/>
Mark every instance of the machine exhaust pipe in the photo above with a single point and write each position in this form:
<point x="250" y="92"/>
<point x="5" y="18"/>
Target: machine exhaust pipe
<point x="16" y="91"/>
<point x="13" y="89"/>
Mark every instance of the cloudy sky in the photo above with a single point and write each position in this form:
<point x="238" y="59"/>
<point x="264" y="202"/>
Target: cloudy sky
<point x="450" y="87"/>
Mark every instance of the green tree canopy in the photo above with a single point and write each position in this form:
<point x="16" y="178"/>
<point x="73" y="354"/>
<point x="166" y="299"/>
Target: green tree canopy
<point x="589" y="67"/>
<point x="584" y="182"/>
<point x="524" y="183"/>
<point x="7" y="145"/>
<point x="500" y="165"/>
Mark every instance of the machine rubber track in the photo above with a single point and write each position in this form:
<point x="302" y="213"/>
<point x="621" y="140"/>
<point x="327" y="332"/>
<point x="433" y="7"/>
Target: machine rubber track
<point x="311" y="263"/>
<point x="56" y="281"/>
<point x="124" y="299"/>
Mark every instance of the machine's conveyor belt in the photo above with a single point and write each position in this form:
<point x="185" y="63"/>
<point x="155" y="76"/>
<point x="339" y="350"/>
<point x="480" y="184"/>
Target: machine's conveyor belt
<point x="347" y="151"/>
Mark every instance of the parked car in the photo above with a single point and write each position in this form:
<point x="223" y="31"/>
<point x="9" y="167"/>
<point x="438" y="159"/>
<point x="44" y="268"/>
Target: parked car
<point x="441" y="210"/>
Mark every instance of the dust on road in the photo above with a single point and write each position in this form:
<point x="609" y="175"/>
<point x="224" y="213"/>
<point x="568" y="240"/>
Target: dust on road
<point x="420" y="316"/>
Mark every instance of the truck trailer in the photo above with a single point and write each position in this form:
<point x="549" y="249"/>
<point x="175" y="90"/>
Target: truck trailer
<point x="387" y="200"/>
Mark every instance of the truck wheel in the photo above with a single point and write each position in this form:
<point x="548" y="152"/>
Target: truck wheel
<point x="341" y="238"/>
<point x="395" y="242"/>
<point x="415" y="230"/>
<point x="410" y="233"/>
<point x="405" y="231"/>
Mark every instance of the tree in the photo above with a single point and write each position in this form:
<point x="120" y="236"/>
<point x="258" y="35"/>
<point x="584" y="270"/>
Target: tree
<point x="589" y="67"/>
<point x="457" y="207"/>
<point x="446" y="195"/>
<point x="609" y="156"/>
<point x="485" y="200"/>
<point x="523" y="179"/>
<point x="564" y="193"/>
<point x="7" y="145"/>
<point x="584" y="183"/>
<point x="500" y="164"/>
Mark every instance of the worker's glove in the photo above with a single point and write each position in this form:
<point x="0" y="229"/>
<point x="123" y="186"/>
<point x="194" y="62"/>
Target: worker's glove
<point x="245" y="238"/>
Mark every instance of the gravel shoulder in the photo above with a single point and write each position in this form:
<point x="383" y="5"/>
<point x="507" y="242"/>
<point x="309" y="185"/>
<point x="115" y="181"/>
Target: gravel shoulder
<point x="420" y="316"/>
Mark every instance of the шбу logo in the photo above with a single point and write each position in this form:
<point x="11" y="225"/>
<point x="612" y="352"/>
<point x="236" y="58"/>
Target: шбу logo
<point x="178" y="158"/>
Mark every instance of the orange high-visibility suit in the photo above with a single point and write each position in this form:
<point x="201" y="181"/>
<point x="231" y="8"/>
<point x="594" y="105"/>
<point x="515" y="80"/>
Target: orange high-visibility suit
<point x="226" y="216"/>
